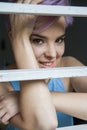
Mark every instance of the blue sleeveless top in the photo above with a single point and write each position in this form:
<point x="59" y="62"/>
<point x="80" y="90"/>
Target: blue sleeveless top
<point x="56" y="85"/>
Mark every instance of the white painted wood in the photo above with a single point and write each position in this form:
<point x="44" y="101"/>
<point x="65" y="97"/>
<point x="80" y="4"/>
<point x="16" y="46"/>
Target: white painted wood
<point x="32" y="74"/>
<point x="77" y="127"/>
<point x="7" y="8"/>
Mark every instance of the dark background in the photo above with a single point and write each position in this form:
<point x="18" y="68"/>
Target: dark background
<point x="76" y="43"/>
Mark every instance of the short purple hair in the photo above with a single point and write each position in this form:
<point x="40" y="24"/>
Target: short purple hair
<point x="55" y="2"/>
<point x="48" y="20"/>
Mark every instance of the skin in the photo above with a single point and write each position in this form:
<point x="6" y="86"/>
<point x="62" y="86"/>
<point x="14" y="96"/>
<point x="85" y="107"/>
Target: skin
<point x="37" y="119"/>
<point x="44" y="50"/>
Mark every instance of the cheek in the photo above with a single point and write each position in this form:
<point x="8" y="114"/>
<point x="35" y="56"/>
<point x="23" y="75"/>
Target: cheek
<point x="60" y="50"/>
<point x="37" y="52"/>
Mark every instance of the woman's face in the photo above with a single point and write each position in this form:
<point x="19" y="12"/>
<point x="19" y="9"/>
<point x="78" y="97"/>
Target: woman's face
<point x="48" y="46"/>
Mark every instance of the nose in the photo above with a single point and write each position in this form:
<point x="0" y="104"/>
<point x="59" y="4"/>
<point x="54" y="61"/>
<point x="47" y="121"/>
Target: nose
<point x="50" y="51"/>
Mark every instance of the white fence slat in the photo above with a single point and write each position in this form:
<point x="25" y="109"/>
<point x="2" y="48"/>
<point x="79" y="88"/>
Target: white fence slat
<point x="32" y="74"/>
<point x="7" y="8"/>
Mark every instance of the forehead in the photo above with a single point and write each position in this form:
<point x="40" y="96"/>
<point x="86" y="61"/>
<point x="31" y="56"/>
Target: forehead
<point x="45" y="23"/>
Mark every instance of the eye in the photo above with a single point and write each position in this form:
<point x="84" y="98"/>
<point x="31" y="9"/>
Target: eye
<point x="60" y="39"/>
<point x="37" y="41"/>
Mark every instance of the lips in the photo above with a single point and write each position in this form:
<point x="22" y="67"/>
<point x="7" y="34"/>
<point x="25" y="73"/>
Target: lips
<point x="46" y="64"/>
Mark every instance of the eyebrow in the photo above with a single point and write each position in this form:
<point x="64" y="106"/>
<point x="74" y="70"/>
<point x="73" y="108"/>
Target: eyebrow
<point x="62" y="36"/>
<point x="40" y="36"/>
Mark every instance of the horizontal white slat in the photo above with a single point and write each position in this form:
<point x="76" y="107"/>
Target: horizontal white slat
<point x="32" y="74"/>
<point x="76" y="127"/>
<point x="7" y="8"/>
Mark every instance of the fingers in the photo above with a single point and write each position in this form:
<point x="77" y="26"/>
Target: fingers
<point x="4" y="116"/>
<point x="30" y="1"/>
<point x="24" y="1"/>
<point x="19" y="1"/>
<point x="27" y="1"/>
<point x="2" y="112"/>
<point x="5" y="119"/>
<point x="36" y="1"/>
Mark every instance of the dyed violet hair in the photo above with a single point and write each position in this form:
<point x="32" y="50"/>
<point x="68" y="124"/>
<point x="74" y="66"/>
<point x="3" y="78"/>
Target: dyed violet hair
<point x="48" y="20"/>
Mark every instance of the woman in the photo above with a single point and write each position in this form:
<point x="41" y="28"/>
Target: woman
<point x="39" y="42"/>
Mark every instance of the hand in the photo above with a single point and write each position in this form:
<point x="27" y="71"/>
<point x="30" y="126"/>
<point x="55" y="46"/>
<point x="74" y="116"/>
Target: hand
<point x="23" y="23"/>
<point x="8" y="106"/>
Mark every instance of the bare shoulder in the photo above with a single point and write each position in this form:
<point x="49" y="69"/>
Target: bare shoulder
<point x="71" y="61"/>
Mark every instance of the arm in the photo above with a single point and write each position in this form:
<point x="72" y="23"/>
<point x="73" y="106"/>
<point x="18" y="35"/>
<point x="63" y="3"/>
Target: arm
<point x="36" y="108"/>
<point x="34" y="95"/>
<point x="35" y="105"/>
<point x="74" y="104"/>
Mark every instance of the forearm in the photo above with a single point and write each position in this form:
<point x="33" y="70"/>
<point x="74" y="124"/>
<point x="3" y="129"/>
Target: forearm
<point x="74" y="104"/>
<point x="39" y="103"/>
<point x="23" y="52"/>
<point x="36" y="109"/>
